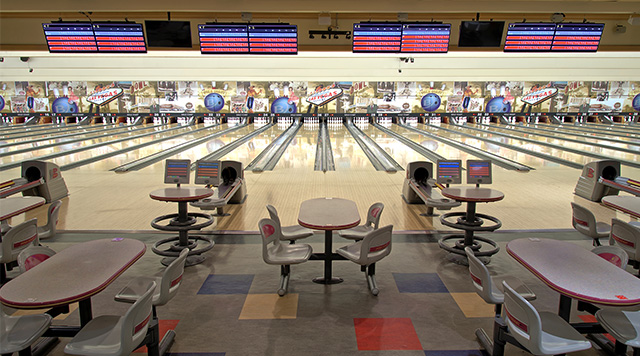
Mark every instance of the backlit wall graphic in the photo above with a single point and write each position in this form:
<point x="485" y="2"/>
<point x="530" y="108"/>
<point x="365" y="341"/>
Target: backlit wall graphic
<point x="357" y="97"/>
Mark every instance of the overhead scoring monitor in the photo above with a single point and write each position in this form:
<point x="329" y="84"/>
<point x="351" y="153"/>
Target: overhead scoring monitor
<point x="577" y="37"/>
<point x="425" y="37"/>
<point x="478" y="172"/>
<point x="273" y="38"/>
<point x="177" y="171"/>
<point x="223" y="38"/>
<point x="449" y="171"/>
<point x="377" y="37"/>
<point x="63" y="37"/>
<point x="208" y="173"/>
<point x="529" y="37"/>
<point x="116" y="37"/>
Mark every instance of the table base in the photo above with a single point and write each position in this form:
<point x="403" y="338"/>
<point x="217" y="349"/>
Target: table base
<point x="176" y="247"/>
<point x="332" y="280"/>
<point x="458" y="248"/>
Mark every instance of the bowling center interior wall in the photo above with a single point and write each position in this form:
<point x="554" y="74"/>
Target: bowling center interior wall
<point x="375" y="83"/>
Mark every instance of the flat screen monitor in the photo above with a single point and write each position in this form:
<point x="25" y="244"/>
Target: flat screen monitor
<point x="480" y="33"/>
<point x="208" y="173"/>
<point x="223" y="39"/>
<point x="168" y="33"/>
<point x="529" y="37"/>
<point x="273" y="39"/>
<point x="425" y="38"/>
<point x="478" y="172"/>
<point x="177" y="171"/>
<point x="70" y="37"/>
<point x="377" y="37"/>
<point x="577" y="37"/>
<point x="125" y="37"/>
<point x="449" y="171"/>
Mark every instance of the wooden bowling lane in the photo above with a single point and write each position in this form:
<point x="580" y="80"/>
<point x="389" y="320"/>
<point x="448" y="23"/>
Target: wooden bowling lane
<point x="103" y="200"/>
<point x="587" y="137"/>
<point x="26" y="142"/>
<point x="575" y="131"/>
<point x="72" y="157"/>
<point x="172" y="141"/>
<point x="586" y="145"/>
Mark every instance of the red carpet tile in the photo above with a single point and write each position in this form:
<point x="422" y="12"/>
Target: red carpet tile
<point x="386" y="334"/>
<point x="164" y="326"/>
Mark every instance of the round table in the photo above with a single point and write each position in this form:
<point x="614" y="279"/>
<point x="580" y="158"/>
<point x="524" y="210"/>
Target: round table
<point x="13" y="206"/>
<point x="182" y="222"/>
<point x="328" y="214"/>
<point x="469" y="222"/>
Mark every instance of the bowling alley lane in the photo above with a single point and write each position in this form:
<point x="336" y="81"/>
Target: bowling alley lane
<point x="505" y="152"/>
<point x="559" y="140"/>
<point x="193" y="153"/>
<point x="590" y="135"/>
<point x="102" y="149"/>
<point x="92" y="132"/>
<point x="41" y="130"/>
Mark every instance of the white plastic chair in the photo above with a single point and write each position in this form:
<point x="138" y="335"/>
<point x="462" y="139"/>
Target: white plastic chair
<point x="49" y="230"/>
<point x="490" y="290"/>
<point x="166" y="288"/>
<point x="33" y="256"/>
<point x="18" y="333"/>
<point x="585" y="222"/>
<point x="372" y="248"/>
<point x="289" y="233"/>
<point x="113" y="335"/>
<point x="541" y="333"/>
<point x="627" y="237"/>
<point x="373" y="219"/>
<point x="14" y="241"/>
<point x="623" y="325"/>
<point x="613" y="254"/>
<point x="276" y="253"/>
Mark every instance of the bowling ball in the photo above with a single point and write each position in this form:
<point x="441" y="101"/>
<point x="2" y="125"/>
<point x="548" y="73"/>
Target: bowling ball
<point x="1" y="102"/>
<point x="214" y="102"/>
<point x="282" y="106"/>
<point x="64" y="105"/>
<point x="636" y="103"/>
<point x="497" y="105"/>
<point x="430" y="102"/>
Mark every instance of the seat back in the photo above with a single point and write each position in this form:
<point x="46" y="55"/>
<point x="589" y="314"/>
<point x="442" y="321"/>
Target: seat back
<point x="19" y="238"/>
<point x="523" y="320"/>
<point x="626" y="236"/>
<point x="136" y="321"/>
<point x="271" y="235"/>
<point x="583" y="220"/>
<point x="33" y="256"/>
<point x="52" y="221"/>
<point x="482" y="279"/>
<point x="172" y="278"/>
<point x="373" y="215"/>
<point x="613" y="254"/>
<point x="375" y="245"/>
<point x="273" y="214"/>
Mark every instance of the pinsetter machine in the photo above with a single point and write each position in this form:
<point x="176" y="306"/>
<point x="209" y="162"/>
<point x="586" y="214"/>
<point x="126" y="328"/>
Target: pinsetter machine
<point x="38" y="178"/>
<point x="228" y="177"/>
<point x="602" y="178"/>
<point x="420" y="187"/>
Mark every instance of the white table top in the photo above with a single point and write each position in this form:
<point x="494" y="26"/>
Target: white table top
<point x="177" y="194"/>
<point x="472" y="194"/>
<point x="328" y="214"/>
<point x="576" y="272"/>
<point x="624" y="203"/>
<point x="10" y="207"/>
<point x="75" y="273"/>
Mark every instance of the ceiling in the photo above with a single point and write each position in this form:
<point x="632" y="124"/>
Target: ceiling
<point x="27" y="16"/>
